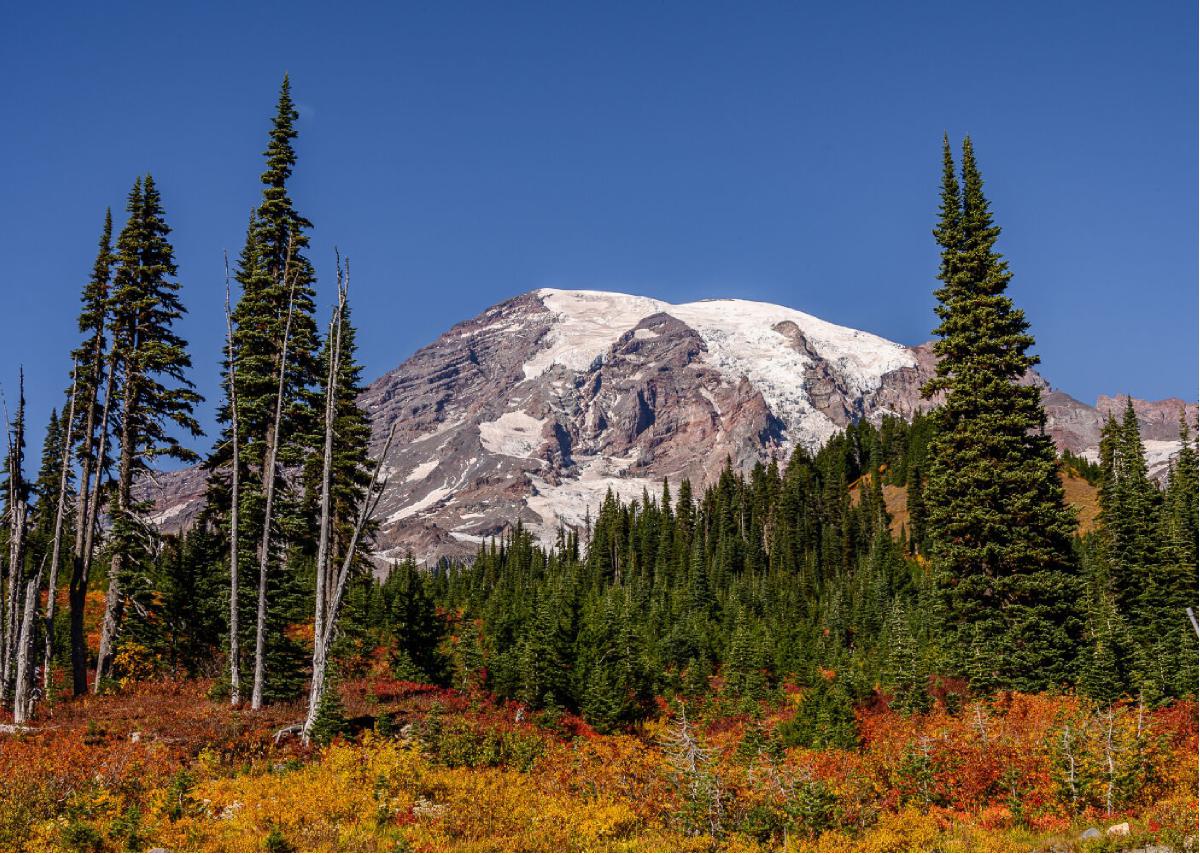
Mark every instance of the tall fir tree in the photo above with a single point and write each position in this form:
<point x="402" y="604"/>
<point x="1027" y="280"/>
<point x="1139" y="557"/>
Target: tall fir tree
<point x="277" y="301"/>
<point x="156" y="397"/>
<point x="1129" y="504"/>
<point x="46" y="487"/>
<point x="1000" y="532"/>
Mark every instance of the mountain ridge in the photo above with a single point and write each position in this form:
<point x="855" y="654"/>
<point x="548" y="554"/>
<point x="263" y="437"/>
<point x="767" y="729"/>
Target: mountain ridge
<point x="535" y="408"/>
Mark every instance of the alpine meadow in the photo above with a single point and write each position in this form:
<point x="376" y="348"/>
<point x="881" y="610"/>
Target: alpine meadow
<point x="589" y="572"/>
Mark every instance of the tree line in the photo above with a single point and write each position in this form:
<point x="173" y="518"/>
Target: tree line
<point x="787" y="573"/>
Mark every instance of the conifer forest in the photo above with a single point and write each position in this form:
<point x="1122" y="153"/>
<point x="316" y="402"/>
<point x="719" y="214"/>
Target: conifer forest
<point x="906" y="639"/>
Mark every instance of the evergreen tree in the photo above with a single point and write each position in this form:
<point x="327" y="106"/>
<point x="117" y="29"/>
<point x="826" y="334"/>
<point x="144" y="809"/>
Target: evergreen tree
<point x="917" y="518"/>
<point x="276" y="303"/>
<point x="412" y="627"/>
<point x="1179" y="536"/>
<point x="46" y="487"/>
<point x="155" y="395"/>
<point x="824" y="718"/>
<point x="999" y="530"/>
<point x="1128" y="516"/>
<point x="906" y="676"/>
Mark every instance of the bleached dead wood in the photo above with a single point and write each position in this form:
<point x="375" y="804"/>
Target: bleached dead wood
<point x="235" y="680"/>
<point x="317" y="687"/>
<point x="17" y="520"/>
<point x="268" y="477"/>
<point x="322" y="643"/>
<point x="56" y="543"/>
<point x="86" y="514"/>
<point x="23" y="693"/>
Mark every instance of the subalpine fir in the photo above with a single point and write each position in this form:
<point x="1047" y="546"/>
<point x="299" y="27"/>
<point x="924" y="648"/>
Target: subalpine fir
<point x="999" y="530"/>
<point x="155" y="397"/>
<point x="277" y="304"/>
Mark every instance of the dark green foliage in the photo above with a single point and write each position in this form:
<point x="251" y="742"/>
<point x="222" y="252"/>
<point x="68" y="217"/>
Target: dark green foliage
<point x="331" y="717"/>
<point x="824" y="718"/>
<point x="274" y="273"/>
<point x="152" y="358"/>
<point x="80" y="836"/>
<point x="46" y="487"/>
<point x="918" y="530"/>
<point x="814" y="808"/>
<point x="276" y="842"/>
<point x="905" y="671"/>
<point x="999" y="532"/>
<point x="408" y="625"/>
<point x="155" y="396"/>
<point x="192" y="598"/>
<point x="289" y="595"/>
<point x="1090" y="471"/>
<point x="1129" y="505"/>
<point x="1141" y="570"/>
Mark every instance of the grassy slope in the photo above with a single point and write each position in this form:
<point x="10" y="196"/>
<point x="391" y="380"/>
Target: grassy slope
<point x="1080" y="495"/>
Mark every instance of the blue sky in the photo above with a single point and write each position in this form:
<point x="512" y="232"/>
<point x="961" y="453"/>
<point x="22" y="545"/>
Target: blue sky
<point x="461" y="153"/>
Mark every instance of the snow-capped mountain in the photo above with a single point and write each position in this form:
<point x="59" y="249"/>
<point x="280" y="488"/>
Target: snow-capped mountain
<point x="537" y="407"/>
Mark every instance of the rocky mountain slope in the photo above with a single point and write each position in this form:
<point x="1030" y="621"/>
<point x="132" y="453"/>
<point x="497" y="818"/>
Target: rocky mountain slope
<point x="537" y="407"/>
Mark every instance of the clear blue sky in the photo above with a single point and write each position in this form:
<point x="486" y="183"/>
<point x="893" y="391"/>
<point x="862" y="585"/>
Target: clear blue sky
<point x="461" y="153"/>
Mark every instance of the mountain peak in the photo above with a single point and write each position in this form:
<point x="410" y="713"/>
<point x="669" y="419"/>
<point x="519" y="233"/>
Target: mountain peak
<point x="538" y="407"/>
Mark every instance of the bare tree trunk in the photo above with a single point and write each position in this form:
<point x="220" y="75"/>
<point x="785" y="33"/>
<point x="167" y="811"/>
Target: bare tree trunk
<point x="23" y="696"/>
<point x="10" y="612"/>
<point x="5" y="588"/>
<point x="264" y="548"/>
<point x="320" y="653"/>
<point x="16" y="542"/>
<point x="235" y="679"/>
<point x="86" y="517"/>
<point x="322" y="642"/>
<point x="1108" y="760"/>
<point x="56" y="545"/>
<point x="113" y="600"/>
<point x="16" y="575"/>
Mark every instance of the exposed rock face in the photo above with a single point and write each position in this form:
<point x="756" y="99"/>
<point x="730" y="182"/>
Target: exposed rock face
<point x="1159" y="420"/>
<point x="536" y="408"/>
<point x="178" y="497"/>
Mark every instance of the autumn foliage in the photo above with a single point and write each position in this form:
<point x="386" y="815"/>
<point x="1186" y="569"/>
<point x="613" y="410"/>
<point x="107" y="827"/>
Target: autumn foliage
<point x="431" y="769"/>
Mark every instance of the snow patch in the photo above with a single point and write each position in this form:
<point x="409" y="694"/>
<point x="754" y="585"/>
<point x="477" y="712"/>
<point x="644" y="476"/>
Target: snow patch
<point x="431" y="498"/>
<point x="1159" y="454"/>
<point x="514" y="434"/>
<point x="742" y="342"/>
<point x="161" y="518"/>
<point x="570" y="502"/>
<point x="421" y="471"/>
<point x="467" y="536"/>
<point x="586" y="325"/>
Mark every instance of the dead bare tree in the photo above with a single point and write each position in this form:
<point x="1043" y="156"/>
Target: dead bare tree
<point x="56" y="543"/>
<point x="323" y="642"/>
<point x="693" y="763"/>
<point x="235" y="680"/>
<point x="17" y="521"/>
<point x="113" y="600"/>
<point x="92" y="459"/>
<point x="23" y="693"/>
<point x="323" y="565"/>
<point x="79" y="584"/>
<point x="268" y="476"/>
